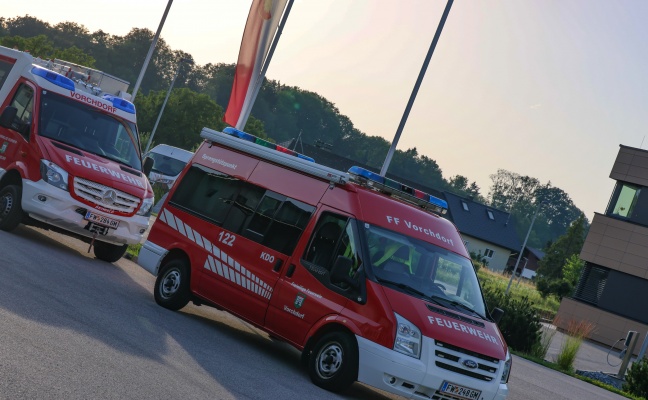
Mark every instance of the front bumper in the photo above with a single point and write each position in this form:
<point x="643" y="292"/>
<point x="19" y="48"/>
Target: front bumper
<point x="56" y="207"/>
<point x="412" y="378"/>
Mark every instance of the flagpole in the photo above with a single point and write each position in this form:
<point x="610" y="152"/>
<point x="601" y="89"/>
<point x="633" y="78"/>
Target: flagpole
<point x="150" y="52"/>
<point x="390" y="153"/>
<point x="245" y="113"/>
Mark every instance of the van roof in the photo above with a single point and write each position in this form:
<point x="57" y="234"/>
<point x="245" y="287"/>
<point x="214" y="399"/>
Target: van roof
<point x="174" y="152"/>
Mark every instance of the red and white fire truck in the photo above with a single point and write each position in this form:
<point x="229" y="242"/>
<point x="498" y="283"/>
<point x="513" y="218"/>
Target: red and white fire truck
<point x="357" y="271"/>
<point x="70" y="157"/>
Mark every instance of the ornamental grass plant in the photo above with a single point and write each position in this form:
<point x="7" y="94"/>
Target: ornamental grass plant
<point x="576" y="332"/>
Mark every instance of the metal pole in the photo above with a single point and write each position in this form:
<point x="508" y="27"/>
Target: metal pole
<point x="164" y="104"/>
<point x="523" y="247"/>
<point x="246" y="112"/>
<point x="150" y="52"/>
<point x="392" y="149"/>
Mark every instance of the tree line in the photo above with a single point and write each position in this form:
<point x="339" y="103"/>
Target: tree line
<point x="280" y="113"/>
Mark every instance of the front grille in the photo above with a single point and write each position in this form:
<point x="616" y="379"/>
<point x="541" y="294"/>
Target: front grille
<point x="451" y="358"/>
<point x="101" y="196"/>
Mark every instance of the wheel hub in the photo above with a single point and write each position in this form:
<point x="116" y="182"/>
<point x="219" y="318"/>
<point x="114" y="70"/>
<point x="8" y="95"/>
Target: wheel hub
<point x="330" y="360"/>
<point x="6" y="202"/>
<point x="170" y="284"/>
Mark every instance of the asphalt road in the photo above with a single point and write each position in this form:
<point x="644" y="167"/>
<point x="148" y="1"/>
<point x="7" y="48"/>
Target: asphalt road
<point x="73" y="327"/>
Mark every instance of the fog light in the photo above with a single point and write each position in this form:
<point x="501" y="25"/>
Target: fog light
<point x="392" y="380"/>
<point x="142" y="230"/>
<point x="42" y="198"/>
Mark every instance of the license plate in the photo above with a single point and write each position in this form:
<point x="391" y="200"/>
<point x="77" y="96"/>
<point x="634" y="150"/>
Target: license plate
<point x="460" y="391"/>
<point x="102" y="220"/>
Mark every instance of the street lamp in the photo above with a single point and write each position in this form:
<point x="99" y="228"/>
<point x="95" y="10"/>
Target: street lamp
<point x="182" y="60"/>
<point x="523" y="247"/>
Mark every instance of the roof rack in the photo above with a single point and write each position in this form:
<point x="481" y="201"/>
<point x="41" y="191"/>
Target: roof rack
<point x="396" y="189"/>
<point x="250" y="144"/>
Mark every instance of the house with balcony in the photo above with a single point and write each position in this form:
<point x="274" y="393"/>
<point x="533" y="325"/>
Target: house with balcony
<point x="612" y="292"/>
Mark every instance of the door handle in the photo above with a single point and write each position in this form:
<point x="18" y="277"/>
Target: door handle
<point x="291" y="270"/>
<point x="277" y="266"/>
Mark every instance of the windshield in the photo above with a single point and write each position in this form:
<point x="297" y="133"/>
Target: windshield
<point x="422" y="269"/>
<point x="89" y="129"/>
<point x="166" y="165"/>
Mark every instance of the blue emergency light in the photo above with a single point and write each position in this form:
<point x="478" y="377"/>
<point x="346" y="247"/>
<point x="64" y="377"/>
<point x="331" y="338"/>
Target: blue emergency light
<point x="253" y="139"/>
<point x="397" y="189"/>
<point x="53" y="77"/>
<point x="120" y="103"/>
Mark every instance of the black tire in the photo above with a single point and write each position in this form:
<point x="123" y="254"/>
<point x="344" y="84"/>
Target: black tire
<point x="10" y="209"/>
<point x="109" y="252"/>
<point x="172" y="285"/>
<point x="333" y="362"/>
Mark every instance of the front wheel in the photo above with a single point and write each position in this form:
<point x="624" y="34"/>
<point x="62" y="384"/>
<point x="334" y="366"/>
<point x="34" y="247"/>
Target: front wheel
<point x="172" y="285"/>
<point x="10" y="209"/>
<point x="109" y="252"/>
<point x="333" y="363"/>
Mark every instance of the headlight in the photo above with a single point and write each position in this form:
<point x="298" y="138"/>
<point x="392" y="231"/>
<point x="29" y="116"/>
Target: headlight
<point x="145" y="209"/>
<point x="507" y="368"/>
<point x="408" y="338"/>
<point x="54" y="175"/>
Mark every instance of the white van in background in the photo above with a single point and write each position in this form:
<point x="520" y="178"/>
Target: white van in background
<point x="168" y="163"/>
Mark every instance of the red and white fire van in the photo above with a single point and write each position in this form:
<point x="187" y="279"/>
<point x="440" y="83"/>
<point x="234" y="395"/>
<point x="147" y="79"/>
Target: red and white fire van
<point x="357" y="271"/>
<point x="70" y="157"/>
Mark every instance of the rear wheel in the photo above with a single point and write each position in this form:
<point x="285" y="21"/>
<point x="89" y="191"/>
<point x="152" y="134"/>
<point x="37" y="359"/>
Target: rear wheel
<point x="333" y="362"/>
<point x="10" y="208"/>
<point x="172" y="285"/>
<point x="109" y="252"/>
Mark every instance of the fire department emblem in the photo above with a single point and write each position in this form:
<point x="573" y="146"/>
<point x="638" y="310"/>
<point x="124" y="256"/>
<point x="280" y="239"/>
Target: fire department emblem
<point x="4" y="147"/>
<point x="299" y="300"/>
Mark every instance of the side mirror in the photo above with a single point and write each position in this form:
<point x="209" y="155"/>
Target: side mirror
<point x="8" y="116"/>
<point x="340" y="272"/>
<point x="497" y="315"/>
<point x="148" y="165"/>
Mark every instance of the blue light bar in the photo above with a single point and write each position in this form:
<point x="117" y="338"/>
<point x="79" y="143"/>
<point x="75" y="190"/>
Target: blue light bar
<point x="367" y="175"/>
<point x="396" y="189"/>
<point x="53" y="77"/>
<point x="251" y="138"/>
<point x="120" y="103"/>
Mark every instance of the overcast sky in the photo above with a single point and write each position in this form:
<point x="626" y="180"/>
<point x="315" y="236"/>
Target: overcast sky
<point x="544" y="88"/>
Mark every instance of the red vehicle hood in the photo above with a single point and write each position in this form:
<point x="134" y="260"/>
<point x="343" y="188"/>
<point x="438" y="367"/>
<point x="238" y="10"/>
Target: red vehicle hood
<point x="79" y="163"/>
<point x="449" y="325"/>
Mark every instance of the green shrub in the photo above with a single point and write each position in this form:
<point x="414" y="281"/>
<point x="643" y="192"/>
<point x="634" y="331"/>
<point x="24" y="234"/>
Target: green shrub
<point x="520" y="324"/>
<point x="540" y="348"/>
<point x="637" y="379"/>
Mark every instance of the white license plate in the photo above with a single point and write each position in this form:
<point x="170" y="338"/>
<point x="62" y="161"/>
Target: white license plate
<point x="102" y="220"/>
<point x="460" y="391"/>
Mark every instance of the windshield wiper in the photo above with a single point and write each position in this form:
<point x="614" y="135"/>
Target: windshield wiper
<point x="410" y="289"/>
<point x="456" y="304"/>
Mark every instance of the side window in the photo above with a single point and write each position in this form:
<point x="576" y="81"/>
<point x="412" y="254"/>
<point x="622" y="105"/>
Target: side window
<point x="335" y="236"/>
<point x="266" y="217"/>
<point x="24" y="103"/>
<point x="5" y="68"/>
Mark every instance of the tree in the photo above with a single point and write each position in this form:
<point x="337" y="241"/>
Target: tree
<point x="185" y="114"/>
<point x="572" y="269"/>
<point x="567" y="245"/>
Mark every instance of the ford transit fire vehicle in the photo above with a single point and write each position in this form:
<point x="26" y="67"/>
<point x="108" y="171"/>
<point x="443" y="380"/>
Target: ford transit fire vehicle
<point x="70" y="157"/>
<point x="357" y="271"/>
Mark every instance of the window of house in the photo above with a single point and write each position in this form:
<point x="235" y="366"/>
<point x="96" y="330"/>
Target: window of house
<point x="464" y="205"/>
<point x="266" y="217"/>
<point x="488" y="253"/>
<point x="624" y="203"/>
<point x="490" y="214"/>
<point x="591" y="283"/>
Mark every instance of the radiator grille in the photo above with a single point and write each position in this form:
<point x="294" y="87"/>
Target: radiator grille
<point x="105" y="196"/>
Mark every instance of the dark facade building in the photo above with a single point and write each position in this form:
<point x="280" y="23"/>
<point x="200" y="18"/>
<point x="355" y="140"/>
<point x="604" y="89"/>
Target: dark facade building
<point x="612" y="292"/>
